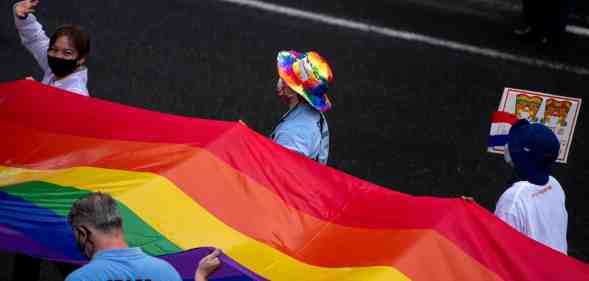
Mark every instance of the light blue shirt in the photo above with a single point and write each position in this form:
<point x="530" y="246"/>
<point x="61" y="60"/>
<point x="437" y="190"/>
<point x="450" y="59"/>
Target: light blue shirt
<point x="125" y="264"/>
<point x="304" y="130"/>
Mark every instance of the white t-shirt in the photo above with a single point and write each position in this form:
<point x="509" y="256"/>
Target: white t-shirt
<point x="33" y="37"/>
<point x="536" y="211"/>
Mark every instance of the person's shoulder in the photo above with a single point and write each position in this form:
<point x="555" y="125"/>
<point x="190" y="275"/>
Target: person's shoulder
<point x="515" y="190"/>
<point x="553" y="181"/>
<point x="76" y="88"/>
<point x="307" y="117"/>
<point x="161" y="265"/>
<point x="298" y="125"/>
<point x="555" y="185"/>
<point x="511" y="200"/>
<point x="309" y="110"/>
<point x="519" y="186"/>
<point x="157" y="261"/>
<point x="88" y="272"/>
<point x="81" y="91"/>
<point x="75" y="276"/>
<point x="77" y="82"/>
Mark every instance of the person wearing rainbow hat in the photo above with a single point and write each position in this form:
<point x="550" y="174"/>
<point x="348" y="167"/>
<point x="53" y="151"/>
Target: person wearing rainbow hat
<point x="304" y="79"/>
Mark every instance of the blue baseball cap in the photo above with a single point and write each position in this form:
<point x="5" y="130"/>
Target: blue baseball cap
<point x="533" y="149"/>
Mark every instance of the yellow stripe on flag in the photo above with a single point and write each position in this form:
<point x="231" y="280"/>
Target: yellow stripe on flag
<point x="183" y="221"/>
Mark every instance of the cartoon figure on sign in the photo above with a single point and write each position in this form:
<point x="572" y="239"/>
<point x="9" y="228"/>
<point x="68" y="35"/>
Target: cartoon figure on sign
<point x="527" y="107"/>
<point x="556" y="112"/>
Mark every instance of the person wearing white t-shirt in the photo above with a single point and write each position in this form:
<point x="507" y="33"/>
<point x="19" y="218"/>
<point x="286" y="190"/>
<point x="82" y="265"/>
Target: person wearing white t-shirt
<point x="61" y="56"/>
<point x="535" y="203"/>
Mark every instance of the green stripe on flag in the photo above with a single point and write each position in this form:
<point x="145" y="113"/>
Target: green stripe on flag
<point x="59" y="199"/>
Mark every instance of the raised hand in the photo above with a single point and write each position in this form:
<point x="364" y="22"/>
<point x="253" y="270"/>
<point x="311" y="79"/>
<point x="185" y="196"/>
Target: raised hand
<point x="24" y="8"/>
<point x="207" y="265"/>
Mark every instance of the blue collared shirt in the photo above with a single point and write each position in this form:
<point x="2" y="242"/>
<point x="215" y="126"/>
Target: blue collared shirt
<point x="125" y="264"/>
<point x="304" y="130"/>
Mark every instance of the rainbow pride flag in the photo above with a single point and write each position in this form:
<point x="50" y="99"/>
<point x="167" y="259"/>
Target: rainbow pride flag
<point x="186" y="184"/>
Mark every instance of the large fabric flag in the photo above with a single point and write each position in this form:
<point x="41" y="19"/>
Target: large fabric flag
<point x="184" y="185"/>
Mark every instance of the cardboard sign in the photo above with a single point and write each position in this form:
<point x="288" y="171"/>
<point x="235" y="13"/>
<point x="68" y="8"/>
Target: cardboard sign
<point x="558" y="113"/>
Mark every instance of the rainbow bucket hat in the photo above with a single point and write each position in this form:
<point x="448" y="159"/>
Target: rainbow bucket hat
<point x="308" y="74"/>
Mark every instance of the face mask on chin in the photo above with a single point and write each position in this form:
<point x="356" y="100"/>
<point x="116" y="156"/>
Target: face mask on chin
<point x="62" y="67"/>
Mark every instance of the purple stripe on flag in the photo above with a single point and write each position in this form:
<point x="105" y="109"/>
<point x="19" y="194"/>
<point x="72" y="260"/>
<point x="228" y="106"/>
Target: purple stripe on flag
<point x="49" y="231"/>
<point x="39" y="232"/>
<point x="14" y="241"/>
<point x="187" y="261"/>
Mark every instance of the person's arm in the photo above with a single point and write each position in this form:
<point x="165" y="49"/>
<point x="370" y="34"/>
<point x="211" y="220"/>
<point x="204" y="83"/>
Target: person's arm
<point x="207" y="266"/>
<point x="31" y="32"/>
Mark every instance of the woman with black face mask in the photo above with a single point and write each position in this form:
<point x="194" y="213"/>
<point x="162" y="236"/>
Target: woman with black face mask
<point x="62" y="59"/>
<point x="62" y="56"/>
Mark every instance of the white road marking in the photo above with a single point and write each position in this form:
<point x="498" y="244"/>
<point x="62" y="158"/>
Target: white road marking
<point x="406" y="35"/>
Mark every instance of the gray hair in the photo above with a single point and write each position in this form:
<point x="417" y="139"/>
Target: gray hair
<point x="98" y="210"/>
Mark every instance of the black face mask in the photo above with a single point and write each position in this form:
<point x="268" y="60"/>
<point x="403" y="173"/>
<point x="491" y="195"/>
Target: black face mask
<point x="62" y="67"/>
<point x="87" y="243"/>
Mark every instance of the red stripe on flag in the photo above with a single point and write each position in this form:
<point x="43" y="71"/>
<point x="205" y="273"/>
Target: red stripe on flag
<point x="304" y="185"/>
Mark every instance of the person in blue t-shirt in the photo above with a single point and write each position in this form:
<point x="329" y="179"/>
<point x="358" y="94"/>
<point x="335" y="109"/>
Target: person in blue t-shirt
<point x="303" y="81"/>
<point x="98" y="230"/>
